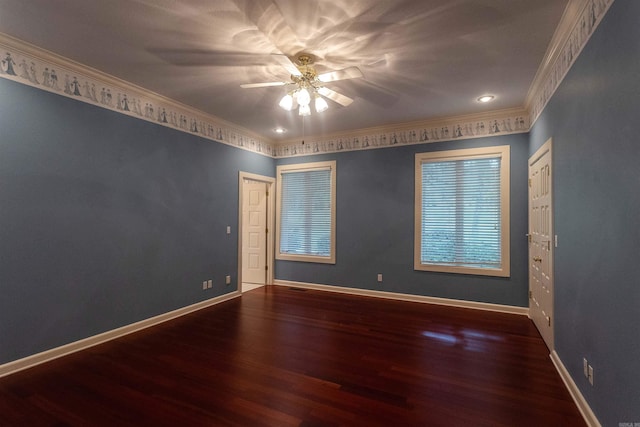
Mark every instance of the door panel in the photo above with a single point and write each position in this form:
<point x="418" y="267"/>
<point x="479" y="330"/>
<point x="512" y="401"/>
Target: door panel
<point x="254" y="232"/>
<point x="540" y="243"/>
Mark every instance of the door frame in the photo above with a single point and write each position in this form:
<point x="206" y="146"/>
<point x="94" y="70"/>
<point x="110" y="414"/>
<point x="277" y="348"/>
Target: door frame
<point x="546" y="147"/>
<point x="271" y="205"/>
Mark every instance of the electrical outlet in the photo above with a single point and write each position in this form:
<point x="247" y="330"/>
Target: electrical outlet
<point x="228" y="229"/>
<point x="380" y="277"/>
<point x="227" y="280"/>
<point x="209" y="284"/>
<point x="590" y="374"/>
<point x="585" y="367"/>
<point x="204" y="285"/>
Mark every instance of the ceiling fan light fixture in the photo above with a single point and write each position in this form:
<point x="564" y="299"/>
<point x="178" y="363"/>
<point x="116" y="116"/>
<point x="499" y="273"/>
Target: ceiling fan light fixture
<point x="287" y="102"/>
<point x="306" y="85"/>
<point x="304" y="110"/>
<point x="303" y="97"/>
<point x="321" y="104"/>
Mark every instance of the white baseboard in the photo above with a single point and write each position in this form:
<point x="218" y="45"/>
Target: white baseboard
<point x="54" y="353"/>
<point x="524" y="311"/>
<point x="246" y="287"/>
<point x="574" y="391"/>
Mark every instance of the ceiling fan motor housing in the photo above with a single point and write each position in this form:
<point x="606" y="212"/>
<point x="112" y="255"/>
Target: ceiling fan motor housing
<point x="309" y="75"/>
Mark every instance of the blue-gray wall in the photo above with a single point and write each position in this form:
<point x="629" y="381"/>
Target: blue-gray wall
<point x="375" y="227"/>
<point x="593" y="119"/>
<point x="105" y="219"/>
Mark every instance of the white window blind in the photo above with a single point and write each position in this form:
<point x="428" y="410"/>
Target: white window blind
<point x="462" y="214"/>
<point x="306" y="214"/>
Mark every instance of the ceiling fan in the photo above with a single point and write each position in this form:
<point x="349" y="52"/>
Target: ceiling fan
<point x="306" y="84"/>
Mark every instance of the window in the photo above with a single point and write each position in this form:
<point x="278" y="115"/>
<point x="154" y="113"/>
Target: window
<point x="306" y="200"/>
<point x="462" y="211"/>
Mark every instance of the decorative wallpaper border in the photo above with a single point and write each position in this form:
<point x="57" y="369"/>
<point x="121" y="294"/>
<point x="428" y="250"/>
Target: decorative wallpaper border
<point x="35" y="67"/>
<point x="558" y="62"/>
<point x="456" y="128"/>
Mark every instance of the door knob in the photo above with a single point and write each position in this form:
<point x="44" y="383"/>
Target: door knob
<point x="537" y="259"/>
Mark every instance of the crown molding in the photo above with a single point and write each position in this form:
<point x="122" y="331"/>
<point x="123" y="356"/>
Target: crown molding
<point x="33" y="66"/>
<point x="579" y="21"/>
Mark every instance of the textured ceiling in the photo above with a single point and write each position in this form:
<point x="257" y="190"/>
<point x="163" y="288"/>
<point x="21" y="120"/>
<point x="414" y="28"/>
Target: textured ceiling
<point x="421" y="59"/>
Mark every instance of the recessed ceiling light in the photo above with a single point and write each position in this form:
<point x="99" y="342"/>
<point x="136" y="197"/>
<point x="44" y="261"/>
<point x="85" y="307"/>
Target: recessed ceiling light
<point x="486" y="98"/>
<point x="280" y="130"/>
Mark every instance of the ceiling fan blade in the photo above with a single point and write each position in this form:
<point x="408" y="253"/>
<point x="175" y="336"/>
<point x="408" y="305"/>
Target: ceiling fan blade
<point x="265" y="84"/>
<point x="344" y="74"/>
<point x="343" y="100"/>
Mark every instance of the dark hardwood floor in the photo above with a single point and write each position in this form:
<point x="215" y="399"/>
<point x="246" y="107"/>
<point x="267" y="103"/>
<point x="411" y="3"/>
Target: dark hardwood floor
<point x="285" y="357"/>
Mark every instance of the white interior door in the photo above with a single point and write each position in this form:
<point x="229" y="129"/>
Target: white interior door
<point x="541" y="243"/>
<point x="254" y="234"/>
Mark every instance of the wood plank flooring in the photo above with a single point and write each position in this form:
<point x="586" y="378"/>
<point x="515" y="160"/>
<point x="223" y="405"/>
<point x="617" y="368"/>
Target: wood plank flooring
<point x="287" y="357"/>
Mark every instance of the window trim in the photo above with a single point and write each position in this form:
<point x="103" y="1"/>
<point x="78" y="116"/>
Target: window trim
<point x="303" y="167"/>
<point x="503" y="152"/>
